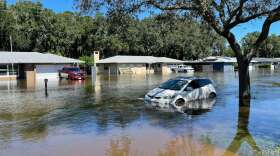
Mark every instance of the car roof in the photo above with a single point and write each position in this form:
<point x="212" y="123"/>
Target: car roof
<point x="190" y="78"/>
<point x="70" y="67"/>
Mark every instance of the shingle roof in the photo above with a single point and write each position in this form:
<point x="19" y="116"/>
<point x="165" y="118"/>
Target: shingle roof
<point x="34" y="57"/>
<point x="138" y="59"/>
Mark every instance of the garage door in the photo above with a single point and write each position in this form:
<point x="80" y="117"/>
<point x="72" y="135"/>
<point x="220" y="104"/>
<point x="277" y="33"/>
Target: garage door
<point x="48" y="71"/>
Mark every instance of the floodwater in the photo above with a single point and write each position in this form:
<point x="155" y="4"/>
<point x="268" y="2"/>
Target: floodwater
<point x="107" y="116"/>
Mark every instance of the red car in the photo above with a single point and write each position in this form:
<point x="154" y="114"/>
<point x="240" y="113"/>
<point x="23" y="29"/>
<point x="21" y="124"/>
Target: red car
<point x="72" y="73"/>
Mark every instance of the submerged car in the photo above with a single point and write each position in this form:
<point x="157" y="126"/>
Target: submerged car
<point x="72" y="73"/>
<point x="178" y="91"/>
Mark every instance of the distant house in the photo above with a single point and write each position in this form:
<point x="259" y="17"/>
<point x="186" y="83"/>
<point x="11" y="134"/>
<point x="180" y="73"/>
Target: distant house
<point x="135" y="65"/>
<point x="32" y="65"/>
<point x="220" y="63"/>
<point x="270" y="62"/>
<point x="213" y="63"/>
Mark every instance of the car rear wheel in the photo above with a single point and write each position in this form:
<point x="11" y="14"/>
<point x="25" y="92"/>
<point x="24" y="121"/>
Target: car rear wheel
<point x="180" y="102"/>
<point x="212" y="95"/>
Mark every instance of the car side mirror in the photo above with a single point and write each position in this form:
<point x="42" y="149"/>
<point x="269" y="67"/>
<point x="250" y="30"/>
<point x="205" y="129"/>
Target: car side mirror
<point x="188" y="89"/>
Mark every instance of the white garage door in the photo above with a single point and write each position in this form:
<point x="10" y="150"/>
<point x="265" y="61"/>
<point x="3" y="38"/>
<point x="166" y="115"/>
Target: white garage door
<point x="48" y="71"/>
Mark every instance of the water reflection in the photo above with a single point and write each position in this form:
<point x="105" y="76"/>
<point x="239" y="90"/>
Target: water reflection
<point x="186" y="145"/>
<point x="120" y="147"/>
<point x="181" y="145"/>
<point x="195" y="107"/>
<point x="199" y="106"/>
<point x="243" y="134"/>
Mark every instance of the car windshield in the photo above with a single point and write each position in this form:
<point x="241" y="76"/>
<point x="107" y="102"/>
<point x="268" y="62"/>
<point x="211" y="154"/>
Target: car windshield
<point x="173" y="84"/>
<point x="73" y="69"/>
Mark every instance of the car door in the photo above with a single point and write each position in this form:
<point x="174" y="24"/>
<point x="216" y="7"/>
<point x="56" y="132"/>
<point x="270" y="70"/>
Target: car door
<point x="203" y="88"/>
<point x="191" y="92"/>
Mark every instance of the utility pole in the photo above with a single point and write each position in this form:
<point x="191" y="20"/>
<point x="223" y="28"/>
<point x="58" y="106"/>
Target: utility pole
<point x="11" y="43"/>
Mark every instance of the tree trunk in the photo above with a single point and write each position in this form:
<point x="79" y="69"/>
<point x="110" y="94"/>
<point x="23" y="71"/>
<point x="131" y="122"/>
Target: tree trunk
<point x="244" y="79"/>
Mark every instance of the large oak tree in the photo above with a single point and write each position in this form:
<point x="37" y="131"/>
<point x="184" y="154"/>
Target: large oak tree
<point x="222" y="15"/>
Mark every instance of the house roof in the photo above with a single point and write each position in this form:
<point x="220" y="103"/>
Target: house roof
<point x="214" y="59"/>
<point x="34" y="57"/>
<point x="138" y="59"/>
<point x="266" y="60"/>
<point x="220" y="59"/>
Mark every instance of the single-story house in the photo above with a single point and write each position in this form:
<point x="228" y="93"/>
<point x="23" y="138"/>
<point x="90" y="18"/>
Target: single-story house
<point x="220" y="63"/>
<point x="32" y="65"/>
<point x="135" y="65"/>
<point x="271" y="62"/>
<point x="213" y="63"/>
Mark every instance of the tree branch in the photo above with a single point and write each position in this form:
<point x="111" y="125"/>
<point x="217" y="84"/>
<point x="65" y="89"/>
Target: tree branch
<point x="220" y="9"/>
<point x="240" y="9"/>
<point x="235" y="46"/>
<point x="239" y="19"/>
<point x="273" y="17"/>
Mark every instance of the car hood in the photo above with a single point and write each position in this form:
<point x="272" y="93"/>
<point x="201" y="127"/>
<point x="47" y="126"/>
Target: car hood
<point x="158" y="92"/>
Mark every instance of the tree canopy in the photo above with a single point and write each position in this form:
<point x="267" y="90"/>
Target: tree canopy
<point x="222" y="16"/>
<point x="34" y="28"/>
<point x="269" y="48"/>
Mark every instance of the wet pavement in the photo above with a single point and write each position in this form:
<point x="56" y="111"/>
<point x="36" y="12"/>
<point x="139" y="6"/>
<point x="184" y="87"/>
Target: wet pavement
<point x="107" y="116"/>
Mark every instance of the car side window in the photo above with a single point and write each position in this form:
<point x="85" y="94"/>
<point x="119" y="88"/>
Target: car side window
<point x="192" y="85"/>
<point x="204" y="82"/>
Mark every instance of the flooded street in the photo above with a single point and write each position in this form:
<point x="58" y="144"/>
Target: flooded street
<point x="107" y="116"/>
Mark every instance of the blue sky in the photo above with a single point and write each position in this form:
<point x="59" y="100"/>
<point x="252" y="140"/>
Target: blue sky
<point x="240" y="31"/>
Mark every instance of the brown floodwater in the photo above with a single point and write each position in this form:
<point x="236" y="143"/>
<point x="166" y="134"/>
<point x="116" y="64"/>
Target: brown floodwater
<point x="107" y="116"/>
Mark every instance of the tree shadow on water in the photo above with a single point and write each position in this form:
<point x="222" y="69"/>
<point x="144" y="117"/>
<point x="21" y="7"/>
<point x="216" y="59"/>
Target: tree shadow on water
<point x="243" y="134"/>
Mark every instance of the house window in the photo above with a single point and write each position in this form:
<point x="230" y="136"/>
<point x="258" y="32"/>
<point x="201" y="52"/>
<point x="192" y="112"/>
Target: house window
<point x="8" y="69"/>
<point x="106" y="67"/>
<point x="13" y="69"/>
<point x="3" y="70"/>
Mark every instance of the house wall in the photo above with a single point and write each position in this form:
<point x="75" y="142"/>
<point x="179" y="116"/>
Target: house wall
<point x="107" y="69"/>
<point x="228" y="68"/>
<point x="162" y="68"/>
<point x="207" y="68"/>
<point x="8" y="78"/>
<point x="218" y="66"/>
<point x="139" y="68"/>
<point x="125" y="68"/>
<point x="222" y="67"/>
<point x="30" y="75"/>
